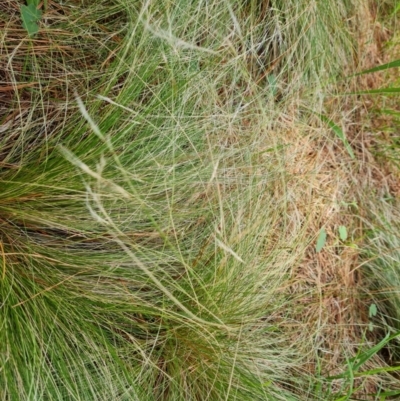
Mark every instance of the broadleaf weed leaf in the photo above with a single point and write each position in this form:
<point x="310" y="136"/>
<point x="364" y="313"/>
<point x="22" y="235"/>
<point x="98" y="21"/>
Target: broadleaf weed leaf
<point x="33" y="2"/>
<point x="30" y="16"/>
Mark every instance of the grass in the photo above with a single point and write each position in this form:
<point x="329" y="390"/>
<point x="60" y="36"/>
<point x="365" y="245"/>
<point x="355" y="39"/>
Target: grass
<point x="166" y="173"/>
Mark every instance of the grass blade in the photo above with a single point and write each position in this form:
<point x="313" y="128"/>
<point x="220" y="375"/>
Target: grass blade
<point x="391" y="64"/>
<point x="339" y="133"/>
<point x="379" y="91"/>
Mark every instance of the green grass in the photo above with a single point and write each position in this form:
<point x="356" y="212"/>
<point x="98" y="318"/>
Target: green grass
<point x="165" y="174"/>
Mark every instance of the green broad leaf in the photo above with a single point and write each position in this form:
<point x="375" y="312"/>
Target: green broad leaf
<point x="373" y="310"/>
<point x="321" y="240"/>
<point x="343" y="233"/>
<point x="338" y="132"/>
<point x="30" y="16"/>
<point x="392" y="64"/>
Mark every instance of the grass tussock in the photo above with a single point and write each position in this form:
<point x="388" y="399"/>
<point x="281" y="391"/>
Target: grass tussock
<point x="166" y="171"/>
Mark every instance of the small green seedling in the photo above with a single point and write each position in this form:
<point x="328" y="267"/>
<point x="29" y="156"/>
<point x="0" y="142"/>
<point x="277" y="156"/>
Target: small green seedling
<point x="373" y="310"/>
<point x="347" y="204"/>
<point x="321" y="240"/>
<point x="343" y="233"/>
<point x="338" y="132"/>
<point x="30" y="15"/>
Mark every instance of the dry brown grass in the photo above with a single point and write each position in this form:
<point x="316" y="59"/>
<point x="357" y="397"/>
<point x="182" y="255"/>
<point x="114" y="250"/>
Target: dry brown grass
<point x="328" y="189"/>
